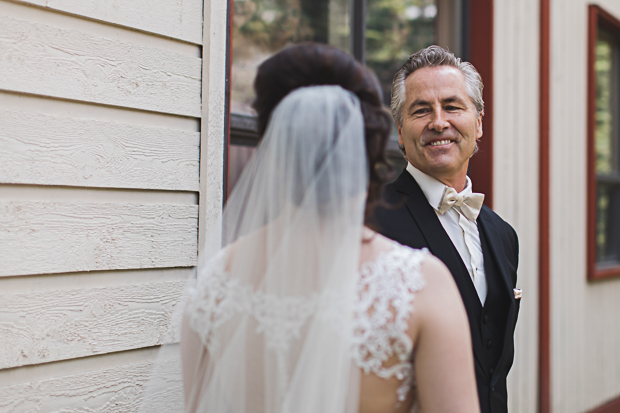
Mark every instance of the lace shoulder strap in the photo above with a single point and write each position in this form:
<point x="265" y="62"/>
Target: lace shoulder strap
<point x="386" y="290"/>
<point x="210" y="305"/>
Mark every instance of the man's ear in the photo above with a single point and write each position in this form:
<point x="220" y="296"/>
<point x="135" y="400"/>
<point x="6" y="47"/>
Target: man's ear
<point x="479" y="131"/>
<point x="400" y="135"/>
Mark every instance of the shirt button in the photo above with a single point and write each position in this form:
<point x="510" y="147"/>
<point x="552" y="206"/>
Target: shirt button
<point x="492" y="388"/>
<point x="485" y="319"/>
<point x="489" y="344"/>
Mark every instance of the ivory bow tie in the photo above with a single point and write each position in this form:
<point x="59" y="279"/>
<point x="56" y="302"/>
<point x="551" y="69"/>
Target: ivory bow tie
<point x="469" y="204"/>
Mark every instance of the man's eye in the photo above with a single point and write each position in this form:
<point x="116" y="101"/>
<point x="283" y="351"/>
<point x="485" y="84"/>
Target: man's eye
<point x="420" y="111"/>
<point x="452" y="108"/>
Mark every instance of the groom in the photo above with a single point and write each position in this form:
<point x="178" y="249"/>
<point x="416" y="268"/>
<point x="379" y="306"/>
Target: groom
<point x="437" y="105"/>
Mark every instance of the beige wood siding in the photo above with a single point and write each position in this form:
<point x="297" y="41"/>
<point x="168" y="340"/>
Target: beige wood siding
<point x="86" y="152"/>
<point x="585" y="335"/>
<point x="109" y="383"/>
<point x="106" y="185"/>
<point x="71" y="236"/>
<point x="72" y="64"/>
<point x="516" y="94"/>
<point x="44" y="326"/>
<point x="180" y="19"/>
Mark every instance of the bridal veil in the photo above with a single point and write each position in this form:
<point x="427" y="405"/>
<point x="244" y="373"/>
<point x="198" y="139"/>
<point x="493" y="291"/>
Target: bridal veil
<point x="273" y="300"/>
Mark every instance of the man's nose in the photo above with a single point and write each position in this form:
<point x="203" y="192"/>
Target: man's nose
<point x="439" y="121"/>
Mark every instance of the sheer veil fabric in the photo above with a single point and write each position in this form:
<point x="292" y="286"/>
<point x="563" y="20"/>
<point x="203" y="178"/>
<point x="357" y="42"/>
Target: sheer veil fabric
<point x="273" y="307"/>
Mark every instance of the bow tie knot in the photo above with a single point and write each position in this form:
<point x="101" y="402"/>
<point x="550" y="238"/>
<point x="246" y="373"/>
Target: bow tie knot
<point x="469" y="204"/>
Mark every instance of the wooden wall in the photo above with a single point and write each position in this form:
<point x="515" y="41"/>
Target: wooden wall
<point x="585" y="339"/>
<point x="585" y="327"/>
<point x="106" y="186"/>
<point x="515" y="169"/>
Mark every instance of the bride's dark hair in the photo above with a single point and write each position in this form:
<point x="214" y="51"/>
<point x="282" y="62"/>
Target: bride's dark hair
<point x="310" y="64"/>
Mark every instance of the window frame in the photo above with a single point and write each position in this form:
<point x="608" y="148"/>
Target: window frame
<point x="598" y="19"/>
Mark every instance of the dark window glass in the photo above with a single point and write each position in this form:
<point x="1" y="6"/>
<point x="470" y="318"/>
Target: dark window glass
<point x="607" y="147"/>
<point x="262" y="28"/>
<point x="394" y="30"/>
<point x="239" y="155"/>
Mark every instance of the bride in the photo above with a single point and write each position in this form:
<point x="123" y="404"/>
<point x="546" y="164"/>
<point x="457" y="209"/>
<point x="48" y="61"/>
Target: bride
<point x="305" y="309"/>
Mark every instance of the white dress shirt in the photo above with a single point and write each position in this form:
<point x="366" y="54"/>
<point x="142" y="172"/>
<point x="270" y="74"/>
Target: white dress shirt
<point x="463" y="232"/>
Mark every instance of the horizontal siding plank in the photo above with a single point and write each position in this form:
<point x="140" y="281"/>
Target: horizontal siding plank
<point x="119" y="389"/>
<point x="51" y="237"/>
<point x="51" y="150"/>
<point x="44" y="326"/>
<point x="181" y="19"/>
<point x="44" y="60"/>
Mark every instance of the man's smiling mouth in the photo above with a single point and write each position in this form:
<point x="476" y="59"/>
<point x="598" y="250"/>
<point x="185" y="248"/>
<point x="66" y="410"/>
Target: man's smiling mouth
<point x="439" y="143"/>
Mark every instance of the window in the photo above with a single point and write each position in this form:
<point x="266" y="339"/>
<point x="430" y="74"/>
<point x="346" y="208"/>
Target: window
<point x="380" y="33"/>
<point x="260" y="29"/>
<point x="604" y="145"/>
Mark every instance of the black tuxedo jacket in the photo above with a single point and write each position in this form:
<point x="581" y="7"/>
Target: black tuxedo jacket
<point x="407" y="217"/>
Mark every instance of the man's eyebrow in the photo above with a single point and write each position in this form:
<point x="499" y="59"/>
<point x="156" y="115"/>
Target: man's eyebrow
<point x="452" y="99"/>
<point x="449" y="99"/>
<point x="419" y="102"/>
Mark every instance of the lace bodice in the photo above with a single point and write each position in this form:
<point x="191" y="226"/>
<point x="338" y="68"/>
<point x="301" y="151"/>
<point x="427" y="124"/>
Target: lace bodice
<point x="386" y="288"/>
<point x="385" y="291"/>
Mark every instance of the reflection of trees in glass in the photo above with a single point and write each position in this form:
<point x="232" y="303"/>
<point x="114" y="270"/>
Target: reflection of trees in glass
<point x="602" y="223"/>
<point x="394" y="30"/>
<point x="608" y="224"/>
<point x="272" y="24"/>
<point x="261" y="28"/>
<point x="604" y="118"/>
<point x="606" y="141"/>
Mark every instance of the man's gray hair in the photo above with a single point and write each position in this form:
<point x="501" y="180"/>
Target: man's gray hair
<point x="434" y="56"/>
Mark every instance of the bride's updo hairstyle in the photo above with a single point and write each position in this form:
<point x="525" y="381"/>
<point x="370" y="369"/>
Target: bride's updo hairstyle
<point x="312" y="64"/>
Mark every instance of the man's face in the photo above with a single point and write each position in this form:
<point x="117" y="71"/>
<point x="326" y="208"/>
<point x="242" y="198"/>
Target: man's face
<point x="440" y="126"/>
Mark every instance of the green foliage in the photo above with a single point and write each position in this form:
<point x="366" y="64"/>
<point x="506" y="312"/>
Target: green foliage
<point x="604" y="110"/>
<point x="272" y="24"/>
<point x="393" y="33"/>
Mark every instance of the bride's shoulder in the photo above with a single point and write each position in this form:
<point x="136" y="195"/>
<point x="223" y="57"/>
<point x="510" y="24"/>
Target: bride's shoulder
<point x="390" y="257"/>
<point x="386" y="251"/>
<point x="388" y="263"/>
<point x="216" y="263"/>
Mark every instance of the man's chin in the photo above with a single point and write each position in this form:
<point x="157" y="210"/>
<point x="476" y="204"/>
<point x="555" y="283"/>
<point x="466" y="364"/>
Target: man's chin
<point x="444" y="154"/>
<point x="440" y="170"/>
<point x="442" y="162"/>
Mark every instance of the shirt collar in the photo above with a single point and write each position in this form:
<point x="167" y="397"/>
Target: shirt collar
<point x="432" y="188"/>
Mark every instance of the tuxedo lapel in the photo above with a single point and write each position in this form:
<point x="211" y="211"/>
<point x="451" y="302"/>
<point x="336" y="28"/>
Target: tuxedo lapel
<point x="441" y="246"/>
<point x="424" y="215"/>
<point x="495" y="242"/>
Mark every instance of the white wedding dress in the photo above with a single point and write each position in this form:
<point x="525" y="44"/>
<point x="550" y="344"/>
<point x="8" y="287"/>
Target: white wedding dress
<point x="385" y="289"/>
